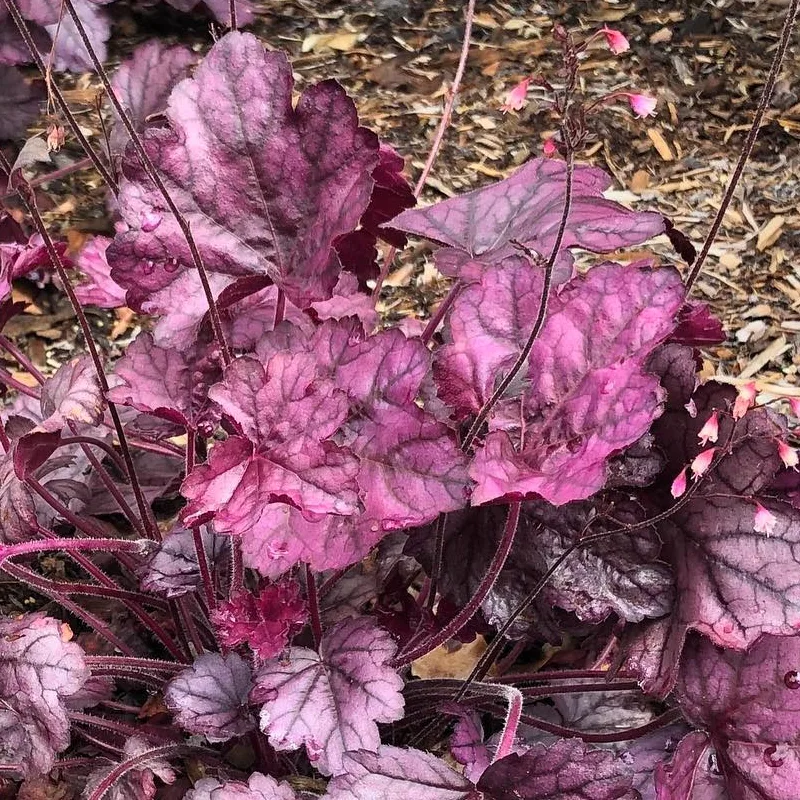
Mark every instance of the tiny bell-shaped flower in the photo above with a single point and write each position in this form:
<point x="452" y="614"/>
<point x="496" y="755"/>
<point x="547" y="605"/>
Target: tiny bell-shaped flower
<point x="702" y="462"/>
<point x="745" y="399"/>
<point x="788" y="455"/>
<point x="616" y="42"/>
<point x="710" y="431"/>
<point x="679" y="484"/>
<point x="516" y="97"/>
<point x="549" y="148"/>
<point x="765" y="521"/>
<point x="643" y="105"/>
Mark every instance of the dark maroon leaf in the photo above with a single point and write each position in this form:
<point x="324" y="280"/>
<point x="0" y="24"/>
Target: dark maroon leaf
<point x="681" y="242"/>
<point x="305" y="180"/>
<point x="39" y="669"/>
<point x="19" y="102"/>
<point x="698" y="327"/>
<point x="567" y="770"/>
<point x="330" y="702"/>
<point x="210" y="697"/>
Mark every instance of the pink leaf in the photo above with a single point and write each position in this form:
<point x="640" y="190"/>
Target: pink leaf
<point x="210" y="697"/>
<point x="527" y="208"/>
<point x="39" y="669"/>
<point x="305" y="179"/>
<point x="258" y="787"/>
<point x="97" y="288"/>
<point x="331" y="702"/>
<point x="167" y="383"/>
<point x="693" y="774"/>
<point x="266" y="622"/>
<point x="143" y="84"/>
<point x="394" y="773"/>
<point x="588" y="394"/>
<point x="71" y="395"/>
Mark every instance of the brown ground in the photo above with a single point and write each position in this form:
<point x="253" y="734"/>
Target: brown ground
<point x="706" y="61"/>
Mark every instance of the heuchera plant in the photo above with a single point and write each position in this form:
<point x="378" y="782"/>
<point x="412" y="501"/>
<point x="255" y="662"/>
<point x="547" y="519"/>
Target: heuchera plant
<point x="282" y="521"/>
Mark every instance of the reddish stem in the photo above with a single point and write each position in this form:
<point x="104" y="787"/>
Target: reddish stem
<point x="470" y="609"/>
<point x="9" y="380"/>
<point x="447" y="114"/>
<point x="313" y="607"/>
<point x="70" y="546"/>
<point x="197" y="536"/>
<point x="506" y="743"/>
<point x="441" y="310"/>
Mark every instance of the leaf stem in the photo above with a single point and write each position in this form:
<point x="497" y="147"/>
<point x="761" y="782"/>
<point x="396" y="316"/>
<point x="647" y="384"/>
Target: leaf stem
<point x="197" y="536"/>
<point x="509" y="733"/>
<point x="313" y="607"/>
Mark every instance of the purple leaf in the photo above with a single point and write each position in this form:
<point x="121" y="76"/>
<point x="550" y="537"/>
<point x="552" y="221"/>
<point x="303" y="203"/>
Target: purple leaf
<point x="288" y="456"/>
<point x="137" y="783"/>
<point x="143" y="84"/>
<point x="647" y="753"/>
<point x="13" y="49"/>
<point x="527" y="208"/>
<point x="19" y="103"/>
<point x="467" y="745"/>
<point x="411" y="467"/>
<point x="588" y="394"/>
<point x="97" y="288"/>
<point x="693" y="774"/>
<point x="258" y="787"/>
<point x="17" y="510"/>
<point x="210" y="697"/>
<point x="331" y="702"/>
<point x="73" y="394"/>
<point x="276" y="536"/>
<point x="394" y="773"/>
<point x="167" y="383"/>
<point x="305" y="179"/>
<point x="221" y="9"/>
<point x="39" y="669"/>
<point x="266" y="622"/>
<point x="347" y="301"/>
<point x="567" y="770"/>
<point x="173" y="569"/>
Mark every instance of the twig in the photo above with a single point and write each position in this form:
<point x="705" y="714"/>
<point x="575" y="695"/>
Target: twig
<point x="447" y="113"/>
<point x="750" y="140"/>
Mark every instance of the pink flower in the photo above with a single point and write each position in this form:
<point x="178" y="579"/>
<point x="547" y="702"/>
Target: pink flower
<point x="794" y="402"/>
<point x="710" y="431"/>
<point x="643" y="105"/>
<point x="679" y="484"/>
<point x="549" y="148"/>
<point x="265" y="621"/>
<point x="765" y="520"/>
<point x="516" y="97"/>
<point x="745" y="399"/>
<point x="616" y="42"/>
<point x="788" y="455"/>
<point x="691" y="407"/>
<point x="702" y="462"/>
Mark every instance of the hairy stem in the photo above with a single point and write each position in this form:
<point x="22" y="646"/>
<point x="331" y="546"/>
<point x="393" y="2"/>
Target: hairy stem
<point x="152" y="173"/>
<point x="750" y="140"/>
<point x="197" y="536"/>
<point x="509" y="733"/>
<point x="470" y="609"/>
<point x="444" y="123"/>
